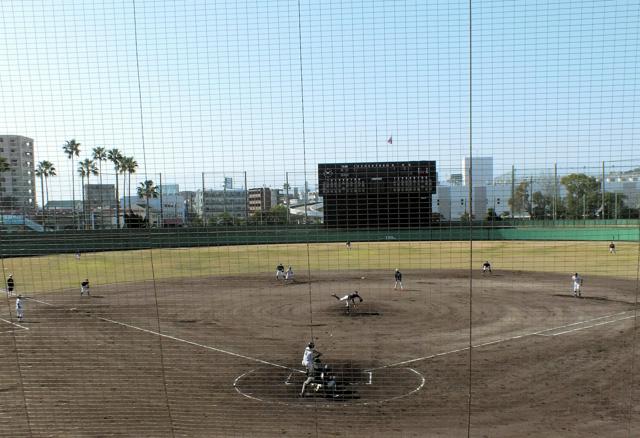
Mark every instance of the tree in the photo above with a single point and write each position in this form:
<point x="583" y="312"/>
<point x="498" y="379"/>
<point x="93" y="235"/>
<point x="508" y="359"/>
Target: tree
<point x="583" y="195"/>
<point x="520" y="201"/>
<point x="543" y="204"/>
<point x="148" y="190"/>
<point x="115" y="156"/>
<point x="40" y="174"/>
<point x="87" y="168"/>
<point x="129" y="165"/>
<point x="492" y="216"/>
<point x="49" y="170"/>
<point x="72" y="148"/>
<point x="100" y="155"/>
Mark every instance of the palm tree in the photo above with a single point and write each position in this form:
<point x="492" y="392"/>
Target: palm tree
<point x="48" y="170"/>
<point x="115" y="156"/>
<point x="130" y="165"/>
<point x="71" y="148"/>
<point x="100" y="155"/>
<point x="89" y="168"/>
<point x="148" y="190"/>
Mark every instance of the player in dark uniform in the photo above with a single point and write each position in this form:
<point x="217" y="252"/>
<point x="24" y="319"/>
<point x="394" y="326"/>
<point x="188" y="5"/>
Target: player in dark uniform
<point x="350" y="299"/>
<point x="398" y="277"/>
<point x="486" y="267"/>
<point x="11" y="284"/>
<point x="84" y="287"/>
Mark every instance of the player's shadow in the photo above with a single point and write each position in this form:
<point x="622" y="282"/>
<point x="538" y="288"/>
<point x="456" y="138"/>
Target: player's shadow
<point x="594" y="298"/>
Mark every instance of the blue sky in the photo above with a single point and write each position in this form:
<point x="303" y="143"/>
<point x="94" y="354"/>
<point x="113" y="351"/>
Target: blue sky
<point x="224" y="88"/>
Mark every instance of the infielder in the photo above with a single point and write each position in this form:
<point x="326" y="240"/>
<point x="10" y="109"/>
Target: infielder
<point x="280" y="272"/>
<point x="398" y="277"/>
<point x="289" y="275"/>
<point x="84" y="287"/>
<point x="577" y="285"/>
<point x="350" y="299"/>
<point x="11" y="284"/>
<point x="486" y="267"/>
<point x="20" y="308"/>
<point x="612" y="248"/>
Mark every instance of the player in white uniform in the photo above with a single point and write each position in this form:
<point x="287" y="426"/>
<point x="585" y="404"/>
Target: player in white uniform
<point x="19" y="308"/>
<point x="486" y="267"/>
<point x="310" y="358"/>
<point x="289" y="274"/>
<point x="612" y="248"/>
<point x="280" y="272"/>
<point x="577" y="285"/>
<point x="84" y="287"/>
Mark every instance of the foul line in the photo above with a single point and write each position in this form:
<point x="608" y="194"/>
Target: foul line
<point x="13" y="323"/>
<point x="219" y="350"/>
<point x="497" y="341"/>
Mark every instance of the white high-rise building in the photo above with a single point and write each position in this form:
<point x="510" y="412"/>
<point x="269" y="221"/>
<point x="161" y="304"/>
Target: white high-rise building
<point x="18" y="184"/>
<point x="482" y="171"/>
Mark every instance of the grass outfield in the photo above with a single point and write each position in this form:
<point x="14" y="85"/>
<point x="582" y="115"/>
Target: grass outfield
<point x="63" y="271"/>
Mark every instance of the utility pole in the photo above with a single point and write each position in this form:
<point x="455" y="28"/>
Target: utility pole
<point x="555" y="191"/>
<point x="161" y="211"/>
<point x="603" y="187"/>
<point x="513" y="188"/>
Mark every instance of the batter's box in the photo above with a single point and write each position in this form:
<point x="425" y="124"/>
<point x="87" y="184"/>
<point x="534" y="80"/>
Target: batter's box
<point x="352" y="385"/>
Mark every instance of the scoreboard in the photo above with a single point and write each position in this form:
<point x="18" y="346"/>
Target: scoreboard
<point x="374" y="195"/>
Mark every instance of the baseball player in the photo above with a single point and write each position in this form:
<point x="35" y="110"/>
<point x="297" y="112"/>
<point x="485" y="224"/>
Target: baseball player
<point x="289" y="274"/>
<point x="11" y="284"/>
<point x="350" y="299"/>
<point x="310" y="360"/>
<point x="577" y="285"/>
<point x="280" y="272"/>
<point x="349" y="245"/>
<point x="612" y="248"/>
<point x="20" y="308"/>
<point x="84" y="287"/>
<point x="486" y="267"/>
<point x="398" y="277"/>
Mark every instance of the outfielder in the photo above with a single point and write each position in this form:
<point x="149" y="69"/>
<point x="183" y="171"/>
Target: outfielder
<point x="612" y="248"/>
<point x="577" y="285"/>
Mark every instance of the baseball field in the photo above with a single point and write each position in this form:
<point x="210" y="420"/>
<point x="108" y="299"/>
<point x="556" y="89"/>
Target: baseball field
<point x="206" y="342"/>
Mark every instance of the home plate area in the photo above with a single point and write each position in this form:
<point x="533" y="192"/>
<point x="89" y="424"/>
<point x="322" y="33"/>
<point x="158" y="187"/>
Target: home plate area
<point x="340" y="382"/>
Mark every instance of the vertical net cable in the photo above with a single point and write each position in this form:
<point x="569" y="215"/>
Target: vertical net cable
<point x="151" y="261"/>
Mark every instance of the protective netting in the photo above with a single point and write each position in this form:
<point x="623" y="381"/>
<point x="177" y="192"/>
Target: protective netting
<point x="319" y="218"/>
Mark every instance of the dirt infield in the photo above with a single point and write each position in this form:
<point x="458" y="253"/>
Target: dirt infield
<point x="221" y="356"/>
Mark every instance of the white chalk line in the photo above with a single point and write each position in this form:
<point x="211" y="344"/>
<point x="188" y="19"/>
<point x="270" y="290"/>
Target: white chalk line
<point x="14" y="324"/>
<point x="511" y="338"/>
<point x="249" y="395"/>
<point x="208" y="347"/>
<point x="196" y="344"/>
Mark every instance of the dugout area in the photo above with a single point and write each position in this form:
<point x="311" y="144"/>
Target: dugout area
<point x="215" y="356"/>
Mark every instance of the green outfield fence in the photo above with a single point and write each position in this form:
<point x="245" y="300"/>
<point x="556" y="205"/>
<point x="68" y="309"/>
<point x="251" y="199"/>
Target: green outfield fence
<point x="32" y="244"/>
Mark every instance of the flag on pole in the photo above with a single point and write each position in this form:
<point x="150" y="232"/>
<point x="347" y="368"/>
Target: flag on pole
<point x="390" y="140"/>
